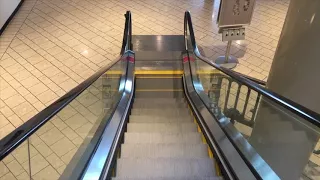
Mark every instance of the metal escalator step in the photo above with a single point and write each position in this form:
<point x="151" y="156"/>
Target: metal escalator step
<point x="161" y="127"/>
<point x="171" y="178"/>
<point x="154" y="119"/>
<point x="150" y="105"/>
<point x="165" y="167"/>
<point x="164" y="151"/>
<point x="161" y="112"/>
<point x="190" y="138"/>
<point x="159" y="94"/>
<point x="160" y="100"/>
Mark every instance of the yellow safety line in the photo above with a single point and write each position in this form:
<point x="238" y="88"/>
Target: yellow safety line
<point x="217" y="168"/>
<point x="164" y="72"/>
<point x="158" y="77"/>
<point x="156" y="90"/>
<point x="159" y="72"/>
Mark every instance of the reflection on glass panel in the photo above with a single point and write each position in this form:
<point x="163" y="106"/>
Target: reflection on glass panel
<point x="16" y="164"/>
<point x="279" y="136"/>
<point x="231" y="99"/>
<point x="56" y="149"/>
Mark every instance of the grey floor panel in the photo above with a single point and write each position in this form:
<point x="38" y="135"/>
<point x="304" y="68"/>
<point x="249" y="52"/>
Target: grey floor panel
<point x="165" y="167"/>
<point x="176" y="138"/>
<point x="153" y="119"/>
<point x="171" y="178"/>
<point x="162" y="43"/>
<point x="154" y="150"/>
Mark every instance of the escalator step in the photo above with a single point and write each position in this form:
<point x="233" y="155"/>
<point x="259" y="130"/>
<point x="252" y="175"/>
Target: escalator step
<point x="165" y="167"/>
<point x="159" y="94"/>
<point x="161" y="112"/>
<point x="153" y="119"/>
<point x="160" y="100"/>
<point x="172" y="178"/>
<point x="162" y="127"/>
<point x="150" y="105"/>
<point x="164" y="151"/>
<point x="190" y="138"/>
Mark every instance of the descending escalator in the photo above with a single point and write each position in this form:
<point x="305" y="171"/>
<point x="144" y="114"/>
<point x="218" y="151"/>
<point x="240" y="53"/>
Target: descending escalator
<point x="162" y="140"/>
<point x="160" y="111"/>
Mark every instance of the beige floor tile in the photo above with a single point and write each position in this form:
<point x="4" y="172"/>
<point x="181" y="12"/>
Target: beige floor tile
<point x="62" y="147"/>
<point x="14" y="100"/>
<point x="8" y="176"/>
<point x="68" y="85"/>
<point x="3" y="121"/>
<point x="59" y="78"/>
<point x="48" y="173"/>
<point x="69" y="133"/>
<point x="21" y="153"/>
<point x="76" y="121"/>
<point x="30" y="81"/>
<point x="52" y="136"/>
<point x="84" y="130"/>
<point x="6" y="111"/>
<point x="3" y="169"/>
<point x="54" y="161"/>
<point x="43" y="65"/>
<point x="14" y="83"/>
<point x="15" y="168"/>
<point x="38" y="89"/>
<point x="68" y="156"/>
<point x="39" y="106"/>
<point x="38" y="163"/>
<point x="23" y="176"/>
<point x="47" y="96"/>
<point x="31" y="98"/>
<point x="61" y="169"/>
<point x="7" y="76"/>
<point x="43" y="149"/>
<point x="66" y="113"/>
<point x="23" y="108"/>
<point x="22" y="91"/>
<point x="14" y="68"/>
<point x="8" y="159"/>
<point x="15" y="120"/>
<point x="7" y="93"/>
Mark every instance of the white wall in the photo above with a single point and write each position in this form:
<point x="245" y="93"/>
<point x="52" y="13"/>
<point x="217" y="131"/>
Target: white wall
<point x="6" y="9"/>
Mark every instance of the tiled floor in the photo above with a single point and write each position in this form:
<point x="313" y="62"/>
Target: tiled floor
<point x="51" y="46"/>
<point x="55" y="144"/>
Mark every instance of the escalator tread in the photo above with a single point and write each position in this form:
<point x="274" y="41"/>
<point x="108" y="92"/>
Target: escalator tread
<point x="162" y="142"/>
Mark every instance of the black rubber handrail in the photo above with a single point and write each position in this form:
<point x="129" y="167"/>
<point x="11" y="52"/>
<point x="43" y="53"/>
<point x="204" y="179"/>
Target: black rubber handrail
<point x="286" y="103"/>
<point x="20" y="134"/>
<point x="258" y="81"/>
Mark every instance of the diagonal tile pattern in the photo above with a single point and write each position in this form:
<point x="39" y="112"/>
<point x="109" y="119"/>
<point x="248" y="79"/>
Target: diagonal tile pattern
<point x="51" y="46"/>
<point x="54" y="145"/>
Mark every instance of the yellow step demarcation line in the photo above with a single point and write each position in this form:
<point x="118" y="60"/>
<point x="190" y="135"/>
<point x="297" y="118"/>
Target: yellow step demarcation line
<point x="218" y="171"/>
<point x="157" y="77"/>
<point x="156" y="90"/>
<point x="165" y="72"/>
<point x="158" y="72"/>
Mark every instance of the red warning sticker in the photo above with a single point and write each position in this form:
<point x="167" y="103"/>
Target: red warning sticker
<point x="185" y="59"/>
<point x="130" y="59"/>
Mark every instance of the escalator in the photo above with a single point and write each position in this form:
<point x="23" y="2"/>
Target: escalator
<point x="162" y="139"/>
<point x="160" y="111"/>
